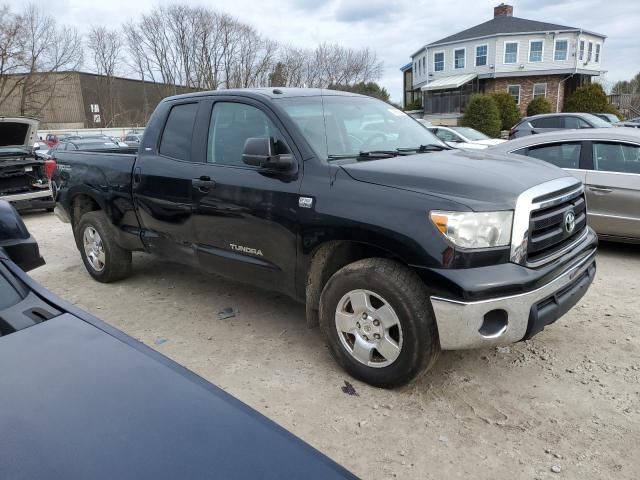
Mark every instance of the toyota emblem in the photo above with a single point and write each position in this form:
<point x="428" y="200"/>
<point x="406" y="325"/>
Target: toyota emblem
<point x="569" y="222"/>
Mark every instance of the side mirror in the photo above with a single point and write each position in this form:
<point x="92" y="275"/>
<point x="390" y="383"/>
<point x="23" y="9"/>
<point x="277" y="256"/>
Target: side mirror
<point x="260" y="152"/>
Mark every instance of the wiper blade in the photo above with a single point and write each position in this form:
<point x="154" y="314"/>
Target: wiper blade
<point x="372" y="154"/>
<point x="424" y="148"/>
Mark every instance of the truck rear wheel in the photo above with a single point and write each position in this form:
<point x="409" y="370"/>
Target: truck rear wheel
<point x="377" y="318"/>
<point x="103" y="258"/>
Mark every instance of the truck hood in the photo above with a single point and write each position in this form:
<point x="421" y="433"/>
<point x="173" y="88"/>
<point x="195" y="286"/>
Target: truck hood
<point x="481" y="181"/>
<point x="17" y="134"/>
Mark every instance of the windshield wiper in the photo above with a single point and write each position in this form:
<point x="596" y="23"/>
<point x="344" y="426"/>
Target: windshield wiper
<point x="424" y="148"/>
<point x="371" y="154"/>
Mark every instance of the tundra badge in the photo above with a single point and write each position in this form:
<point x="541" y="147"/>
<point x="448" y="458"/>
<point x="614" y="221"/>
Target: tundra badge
<point x="305" y="202"/>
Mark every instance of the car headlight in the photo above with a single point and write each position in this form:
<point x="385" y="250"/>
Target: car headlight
<point x="475" y="229"/>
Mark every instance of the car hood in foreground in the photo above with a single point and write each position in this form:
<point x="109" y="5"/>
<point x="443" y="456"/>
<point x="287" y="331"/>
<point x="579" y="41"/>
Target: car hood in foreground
<point x="479" y="180"/>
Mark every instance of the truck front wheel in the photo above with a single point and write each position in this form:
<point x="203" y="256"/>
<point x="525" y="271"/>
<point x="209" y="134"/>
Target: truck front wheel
<point x="103" y="258"/>
<point x="377" y="318"/>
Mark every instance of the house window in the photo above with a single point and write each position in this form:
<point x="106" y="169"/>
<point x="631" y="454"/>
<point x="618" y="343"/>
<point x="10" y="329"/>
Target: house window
<point x="481" y="55"/>
<point x="535" y="51"/>
<point x="514" y="91"/>
<point x="581" y="49"/>
<point x="511" y="52"/>
<point x="597" y="52"/>
<point x="561" y="51"/>
<point x="438" y="62"/>
<point x="458" y="58"/>
<point x="590" y="52"/>
<point x="424" y="70"/>
<point x="539" y="90"/>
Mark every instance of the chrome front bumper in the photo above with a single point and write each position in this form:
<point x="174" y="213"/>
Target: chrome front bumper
<point x="462" y="325"/>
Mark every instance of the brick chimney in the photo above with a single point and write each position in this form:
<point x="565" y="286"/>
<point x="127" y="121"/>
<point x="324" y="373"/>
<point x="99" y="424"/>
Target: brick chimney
<point x="503" y="10"/>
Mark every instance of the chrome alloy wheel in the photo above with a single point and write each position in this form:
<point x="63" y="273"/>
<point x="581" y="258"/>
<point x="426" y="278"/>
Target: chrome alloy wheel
<point x="94" y="248"/>
<point x="368" y="328"/>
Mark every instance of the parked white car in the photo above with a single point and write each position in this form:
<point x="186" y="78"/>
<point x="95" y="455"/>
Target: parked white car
<point x="464" y="137"/>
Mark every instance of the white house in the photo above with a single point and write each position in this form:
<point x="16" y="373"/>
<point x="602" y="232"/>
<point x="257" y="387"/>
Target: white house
<point x="524" y="57"/>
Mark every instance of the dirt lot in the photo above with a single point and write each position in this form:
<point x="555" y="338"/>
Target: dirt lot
<point x="568" y="400"/>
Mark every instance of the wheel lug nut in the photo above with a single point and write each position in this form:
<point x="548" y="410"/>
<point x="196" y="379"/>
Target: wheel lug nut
<point x="376" y="323"/>
<point x="376" y="336"/>
<point x="364" y="316"/>
<point x="365" y="337"/>
<point x="358" y="325"/>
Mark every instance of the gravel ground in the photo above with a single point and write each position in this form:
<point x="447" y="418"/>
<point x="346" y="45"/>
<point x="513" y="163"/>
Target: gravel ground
<point x="563" y="405"/>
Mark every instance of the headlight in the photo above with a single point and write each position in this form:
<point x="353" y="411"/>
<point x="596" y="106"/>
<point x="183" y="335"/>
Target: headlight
<point x="475" y="229"/>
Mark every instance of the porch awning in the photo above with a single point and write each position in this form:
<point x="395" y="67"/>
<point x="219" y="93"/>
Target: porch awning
<point x="454" y="81"/>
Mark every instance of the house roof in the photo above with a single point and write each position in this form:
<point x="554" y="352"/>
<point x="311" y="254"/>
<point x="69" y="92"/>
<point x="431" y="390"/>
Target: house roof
<point x="504" y="25"/>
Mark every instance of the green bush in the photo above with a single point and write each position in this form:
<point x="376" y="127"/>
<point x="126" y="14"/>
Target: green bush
<point x="538" y="105"/>
<point x="508" y="109"/>
<point x="483" y="115"/>
<point x="590" y="98"/>
<point x="415" y="105"/>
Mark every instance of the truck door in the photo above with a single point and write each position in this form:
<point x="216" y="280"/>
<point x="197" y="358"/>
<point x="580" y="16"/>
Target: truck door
<point x="245" y="218"/>
<point x="162" y="186"/>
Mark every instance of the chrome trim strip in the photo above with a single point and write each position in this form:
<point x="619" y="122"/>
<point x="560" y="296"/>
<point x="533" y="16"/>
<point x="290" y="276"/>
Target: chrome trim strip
<point x="524" y="207"/>
<point x="459" y="322"/>
<point x="618" y="217"/>
<point x="27" y="196"/>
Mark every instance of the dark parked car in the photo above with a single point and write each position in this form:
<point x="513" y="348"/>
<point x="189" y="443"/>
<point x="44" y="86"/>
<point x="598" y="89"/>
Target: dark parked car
<point x="84" y="144"/>
<point x="549" y="122"/>
<point x="24" y="175"/>
<point x="399" y="245"/>
<point x="607" y="161"/>
<point x="82" y="400"/>
<point x="133" y="139"/>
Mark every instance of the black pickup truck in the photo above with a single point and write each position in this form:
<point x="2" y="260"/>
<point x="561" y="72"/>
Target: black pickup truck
<point x="399" y="245"/>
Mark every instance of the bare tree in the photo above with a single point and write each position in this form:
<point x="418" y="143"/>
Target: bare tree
<point x="105" y="47"/>
<point x="11" y="53"/>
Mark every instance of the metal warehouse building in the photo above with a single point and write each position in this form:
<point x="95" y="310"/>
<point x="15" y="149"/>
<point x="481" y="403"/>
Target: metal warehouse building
<point x="73" y="100"/>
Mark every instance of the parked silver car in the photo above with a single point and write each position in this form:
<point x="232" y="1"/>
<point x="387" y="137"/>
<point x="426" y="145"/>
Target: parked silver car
<point x="608" y="163"/>
<point x="549" y="122"/>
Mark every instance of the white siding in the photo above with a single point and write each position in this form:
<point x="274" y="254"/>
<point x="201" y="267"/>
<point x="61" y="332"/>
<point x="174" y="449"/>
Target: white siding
<point x="496" y="46"/>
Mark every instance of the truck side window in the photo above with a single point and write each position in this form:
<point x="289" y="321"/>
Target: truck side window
<point x="563" y="155"/>
<point x="231" y="125"/>
<point x="176" y="137"/>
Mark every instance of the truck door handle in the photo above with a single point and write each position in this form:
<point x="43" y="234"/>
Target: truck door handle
<point x="596" y="189"/>
<point x="204" y="183"/>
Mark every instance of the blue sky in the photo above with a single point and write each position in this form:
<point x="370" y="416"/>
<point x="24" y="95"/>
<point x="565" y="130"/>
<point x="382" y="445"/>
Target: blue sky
<point x="394" y="29"/>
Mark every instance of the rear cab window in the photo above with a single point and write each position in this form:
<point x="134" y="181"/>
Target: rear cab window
<point x="178" y="130"/>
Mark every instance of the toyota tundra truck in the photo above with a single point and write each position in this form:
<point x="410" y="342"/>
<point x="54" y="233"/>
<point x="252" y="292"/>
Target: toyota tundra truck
<point x="399" y="245"/>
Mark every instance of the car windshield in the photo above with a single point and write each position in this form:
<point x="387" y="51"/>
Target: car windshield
<point x="340" y="126"/>
<point x="597" y="122"/>
<point x="470" y="133"/>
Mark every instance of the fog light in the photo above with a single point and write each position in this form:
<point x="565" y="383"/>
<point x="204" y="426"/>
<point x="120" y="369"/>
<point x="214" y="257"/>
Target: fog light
<point x="494" y="323"/>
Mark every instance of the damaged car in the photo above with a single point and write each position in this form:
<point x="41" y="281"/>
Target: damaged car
<point x="24" y="176"/>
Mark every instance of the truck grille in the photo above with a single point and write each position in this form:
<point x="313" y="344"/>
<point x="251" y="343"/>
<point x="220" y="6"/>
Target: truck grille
<point x="549" y="226"/>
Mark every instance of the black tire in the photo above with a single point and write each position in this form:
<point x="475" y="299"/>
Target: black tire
<point x="408" y="297"/>
<point x="50" y="209"/>
<point x="117" y="264"/>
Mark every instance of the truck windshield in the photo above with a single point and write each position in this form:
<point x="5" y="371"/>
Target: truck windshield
<point x="340" y="126"/>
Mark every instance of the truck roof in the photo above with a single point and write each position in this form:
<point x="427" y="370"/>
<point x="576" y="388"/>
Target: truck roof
<point x="268" y="92"/>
